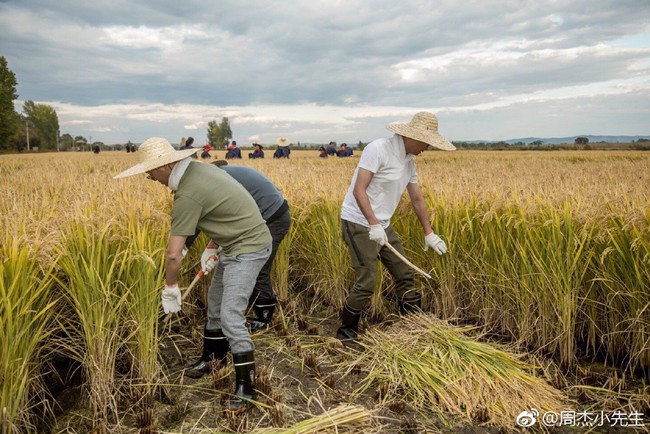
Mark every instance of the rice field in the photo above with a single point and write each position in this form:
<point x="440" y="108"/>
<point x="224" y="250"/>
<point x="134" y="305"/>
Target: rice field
<point x="548" y="272"/>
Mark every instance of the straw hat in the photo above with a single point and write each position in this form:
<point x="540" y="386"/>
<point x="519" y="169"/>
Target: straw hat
<point x="155" y="152"/>
<point x="423" y="128"/>
<point x="283" y="141"/>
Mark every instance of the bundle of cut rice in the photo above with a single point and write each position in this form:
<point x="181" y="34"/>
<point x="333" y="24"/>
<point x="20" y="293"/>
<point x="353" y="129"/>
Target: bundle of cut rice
<point x="440" y="370"/>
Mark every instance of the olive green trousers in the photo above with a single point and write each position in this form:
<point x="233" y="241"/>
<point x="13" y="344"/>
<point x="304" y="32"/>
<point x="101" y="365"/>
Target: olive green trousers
<point x="365" y="253"/>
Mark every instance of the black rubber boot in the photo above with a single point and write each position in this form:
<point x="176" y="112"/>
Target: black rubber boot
<point x="215" y="346"/>
<point x="244" y="381"/>
<point x="347" y="333"/>
<point x="410" y="302"/>
<point x="264" y="310"/>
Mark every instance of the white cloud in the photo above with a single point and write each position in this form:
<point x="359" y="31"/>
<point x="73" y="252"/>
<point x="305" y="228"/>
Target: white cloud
<point x="195" y="125"/>
<point x="504" y="55"/>
<point x="143" y="37"/>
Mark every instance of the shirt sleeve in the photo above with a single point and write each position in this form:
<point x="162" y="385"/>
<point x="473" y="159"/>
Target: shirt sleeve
<point x="186" y="213"/>
<point x="370" y="159"/>
<point x="414" y="174"/>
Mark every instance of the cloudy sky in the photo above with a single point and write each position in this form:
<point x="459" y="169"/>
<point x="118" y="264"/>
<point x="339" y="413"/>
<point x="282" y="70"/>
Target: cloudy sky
<point x="315" y="71"/>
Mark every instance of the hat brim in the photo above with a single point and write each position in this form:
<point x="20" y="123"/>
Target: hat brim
<point x="428" y="137"/>
<point x="146" y="166"/>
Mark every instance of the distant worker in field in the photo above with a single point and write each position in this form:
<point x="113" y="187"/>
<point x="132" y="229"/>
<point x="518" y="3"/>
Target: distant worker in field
<point x="258" y="152"/>
<point x="322" y="152"/>
<point x="331" y="148"/>
<point x="385" y="170"/>
<point x="230" y="218"/>
<point x="205" y="155"/>
<point x="344" y="151"/>
<point x="189" y="144"/>
<point x="283" y="150"/>
<point x="233" y="151"/>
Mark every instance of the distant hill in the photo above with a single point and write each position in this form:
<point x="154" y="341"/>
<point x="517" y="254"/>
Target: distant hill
<point x="571" y="139"/>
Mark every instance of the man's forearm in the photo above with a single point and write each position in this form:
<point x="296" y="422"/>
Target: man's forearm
<point x="423" y="215"/>
<point x="172" y="268"/>
<point x="173" y="258"/>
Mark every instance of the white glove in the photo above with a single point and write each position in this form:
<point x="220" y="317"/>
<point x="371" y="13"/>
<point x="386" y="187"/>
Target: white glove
<point x="435" y="242"/>
<point x="171" y="298"/>
<point x="378" y="234"/>
<point x="209" y="259"/>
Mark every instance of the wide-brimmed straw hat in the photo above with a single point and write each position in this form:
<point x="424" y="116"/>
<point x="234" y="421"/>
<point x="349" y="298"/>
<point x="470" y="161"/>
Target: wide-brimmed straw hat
<point x="283" y="141"/>
<point x="423" y="128"/>
<point x="155" y="152"/>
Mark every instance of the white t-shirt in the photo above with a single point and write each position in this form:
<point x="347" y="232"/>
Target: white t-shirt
<point x="393" y="170"/>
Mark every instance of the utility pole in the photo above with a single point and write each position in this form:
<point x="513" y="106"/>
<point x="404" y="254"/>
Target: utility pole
<point x="58" y="133"/>
<point x="27" y="132"/>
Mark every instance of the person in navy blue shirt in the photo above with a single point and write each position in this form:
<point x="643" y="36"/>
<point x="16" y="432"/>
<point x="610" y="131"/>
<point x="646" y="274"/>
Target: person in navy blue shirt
<point x="233" y="151"/>
<point x="344" y="151"/>
<point x="258" y="152"/>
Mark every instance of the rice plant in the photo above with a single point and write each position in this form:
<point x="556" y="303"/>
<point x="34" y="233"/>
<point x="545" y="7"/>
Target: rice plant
<point x="26" y="310"/>
<point x="623" y="273"/>
<point x="93" y="284"/>
<point x="321" y="255"/>
<point x="143" y="275"/>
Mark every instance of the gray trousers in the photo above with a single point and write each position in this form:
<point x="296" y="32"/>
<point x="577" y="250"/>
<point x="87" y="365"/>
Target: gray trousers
<point x="231" y="287"/>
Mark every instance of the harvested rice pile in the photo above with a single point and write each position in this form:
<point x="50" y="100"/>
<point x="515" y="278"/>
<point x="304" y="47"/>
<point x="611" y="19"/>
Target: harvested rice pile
<point x="439" y="370"/>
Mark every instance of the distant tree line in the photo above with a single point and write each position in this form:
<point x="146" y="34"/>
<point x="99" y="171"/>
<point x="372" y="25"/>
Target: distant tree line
<point x="36" y="126"/>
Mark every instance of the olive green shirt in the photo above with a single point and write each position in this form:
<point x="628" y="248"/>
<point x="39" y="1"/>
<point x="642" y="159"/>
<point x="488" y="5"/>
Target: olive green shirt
<point x="210" y="200"/>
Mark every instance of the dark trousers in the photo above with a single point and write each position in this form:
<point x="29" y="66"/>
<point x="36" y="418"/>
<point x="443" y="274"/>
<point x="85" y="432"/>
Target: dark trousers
<point x="278" y="228"/>
<point x="364" y="253"/>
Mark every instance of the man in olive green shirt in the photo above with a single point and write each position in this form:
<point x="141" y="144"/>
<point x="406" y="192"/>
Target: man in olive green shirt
<point x="208" y="199"/>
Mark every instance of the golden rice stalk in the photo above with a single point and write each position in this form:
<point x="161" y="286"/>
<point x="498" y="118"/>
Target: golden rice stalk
<point x="342" y="419"/>
<point x="442" y="371"/>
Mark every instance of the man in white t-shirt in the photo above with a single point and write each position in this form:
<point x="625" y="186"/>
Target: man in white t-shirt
<point x="385" y="170"/>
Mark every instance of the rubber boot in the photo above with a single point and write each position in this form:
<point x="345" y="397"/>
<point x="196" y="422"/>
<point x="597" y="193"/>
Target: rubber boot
<point x="347" y="333"/>
<point x="244" y="381"/>
<point x="215" y="346"/>
<point x="264" y="310"/>
<point x="410" y="302"/>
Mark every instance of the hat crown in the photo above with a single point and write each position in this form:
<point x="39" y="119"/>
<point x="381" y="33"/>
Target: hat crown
<point x="423" y="128"/>
<point x="154" y="148"/>
<point x="425" y="121"/>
